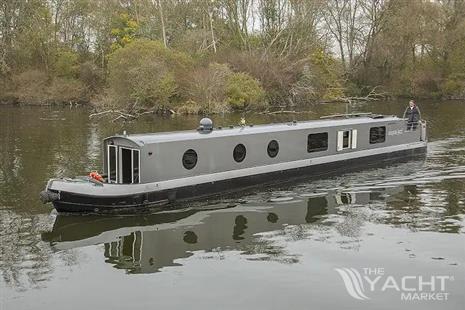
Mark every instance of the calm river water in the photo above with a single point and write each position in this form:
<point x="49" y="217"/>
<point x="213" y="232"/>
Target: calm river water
<point x="400" y="227"/>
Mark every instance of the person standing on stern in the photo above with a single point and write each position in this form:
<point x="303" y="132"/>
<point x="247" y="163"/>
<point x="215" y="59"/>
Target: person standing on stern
<point x="413" y="116"/>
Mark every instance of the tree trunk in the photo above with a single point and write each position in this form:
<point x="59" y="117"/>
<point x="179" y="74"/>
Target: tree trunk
<point x="163" y="29"/>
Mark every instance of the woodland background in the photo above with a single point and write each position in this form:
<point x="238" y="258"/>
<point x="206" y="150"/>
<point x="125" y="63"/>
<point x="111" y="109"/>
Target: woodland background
<point x="206" y="56"/>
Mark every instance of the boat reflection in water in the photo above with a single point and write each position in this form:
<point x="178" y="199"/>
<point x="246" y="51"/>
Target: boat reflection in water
<point x="147" y="243"/>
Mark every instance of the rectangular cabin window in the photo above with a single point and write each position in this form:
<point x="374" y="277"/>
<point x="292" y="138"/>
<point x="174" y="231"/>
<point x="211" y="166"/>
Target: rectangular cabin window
<point x="377" y="134"/>
<point x="112" y="164"/>
<point x="317" y="142"/>
<point x="346" y="139"/>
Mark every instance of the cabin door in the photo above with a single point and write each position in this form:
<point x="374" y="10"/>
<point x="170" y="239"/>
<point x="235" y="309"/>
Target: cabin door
<point x="129" y="165"/>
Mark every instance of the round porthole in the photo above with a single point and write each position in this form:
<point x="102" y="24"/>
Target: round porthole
<point x="189" y="159"/>
<point x="239" y="153"/>
<point x="273" y="148"/>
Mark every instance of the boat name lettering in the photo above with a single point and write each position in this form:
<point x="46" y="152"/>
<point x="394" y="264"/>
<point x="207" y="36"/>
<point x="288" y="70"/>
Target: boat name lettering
<point x="395" y="132"/>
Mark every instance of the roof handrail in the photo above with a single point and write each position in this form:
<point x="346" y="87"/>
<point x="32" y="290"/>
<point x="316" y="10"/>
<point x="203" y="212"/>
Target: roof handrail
<point x="347" y="115"/>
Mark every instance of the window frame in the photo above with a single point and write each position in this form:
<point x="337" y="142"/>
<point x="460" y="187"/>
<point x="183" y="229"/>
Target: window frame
<point x="269" y="151"/>
<point x="138" y="165"/>
<point x="378" y="140"/>
<point x="120" y="164"/>
<point x="320" y="149"/>
<point x="346" y="137"/>
<point x="183" y="158"/>
<point x="351" y="139"/>
<point x="110" y="179"/>
<point x="240" y="145"/>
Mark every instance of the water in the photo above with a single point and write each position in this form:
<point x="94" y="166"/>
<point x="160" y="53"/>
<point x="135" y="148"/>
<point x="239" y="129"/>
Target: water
<point x="269" y="249"/>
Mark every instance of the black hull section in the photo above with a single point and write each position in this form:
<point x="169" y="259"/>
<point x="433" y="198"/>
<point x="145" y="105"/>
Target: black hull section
<point x="72" y="203"/>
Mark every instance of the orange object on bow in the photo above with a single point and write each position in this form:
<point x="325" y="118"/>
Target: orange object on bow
<point x="96" y="176"/>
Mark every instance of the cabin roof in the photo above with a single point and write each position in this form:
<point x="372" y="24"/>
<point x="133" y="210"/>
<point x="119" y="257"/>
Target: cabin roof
<point x="150" y="138"/>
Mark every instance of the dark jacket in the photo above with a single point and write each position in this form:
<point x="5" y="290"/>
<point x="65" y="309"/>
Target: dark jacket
<point x="413" y="115"/>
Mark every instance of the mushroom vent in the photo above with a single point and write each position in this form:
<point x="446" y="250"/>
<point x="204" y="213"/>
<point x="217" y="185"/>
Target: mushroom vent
<point x="206" y="125"/>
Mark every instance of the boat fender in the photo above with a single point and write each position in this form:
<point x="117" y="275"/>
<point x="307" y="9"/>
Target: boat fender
<point x="48" y="196"/>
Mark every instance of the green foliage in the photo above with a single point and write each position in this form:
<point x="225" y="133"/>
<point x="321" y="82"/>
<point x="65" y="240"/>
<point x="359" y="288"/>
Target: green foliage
<point x="409" y="48"/>
<point x="91" y="76"/>
<point x="326" y="73"/>
<point x="66" y="64"/>
<point x="31" y="44"/>
<point x="454" y="86"/>
<point x="145" y="72"/>
<point x="124" y="31"/>
<point x="244" y="92"/>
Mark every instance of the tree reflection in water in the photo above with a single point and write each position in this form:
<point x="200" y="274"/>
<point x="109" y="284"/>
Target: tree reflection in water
<point x="25" y="261"/>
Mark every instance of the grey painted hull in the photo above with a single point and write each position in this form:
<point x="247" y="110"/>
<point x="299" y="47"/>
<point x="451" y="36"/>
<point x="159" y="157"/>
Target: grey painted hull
<point x="89" y="197"/>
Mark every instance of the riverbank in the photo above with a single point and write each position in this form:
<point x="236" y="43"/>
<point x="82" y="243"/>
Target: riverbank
<point x="144" y="76"/>
<point x="37" y="88"/>
<point x="209" y="89"/>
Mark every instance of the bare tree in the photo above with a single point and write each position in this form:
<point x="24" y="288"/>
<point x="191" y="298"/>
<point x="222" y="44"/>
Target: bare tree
<point x="162" y="19"/>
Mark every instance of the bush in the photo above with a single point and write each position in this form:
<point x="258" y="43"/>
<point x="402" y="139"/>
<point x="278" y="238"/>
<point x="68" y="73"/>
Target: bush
<point x="326" y="75"/>
<point x="426" y="84"/>
<point x="206" y="86"/>
<point x="64" y="90"/>
<point x="66" y="64"/>
<point x="454" y="87"/>
<point x="190" y="107"/>
<point x="36" y="87"/>
<point x="291" y="81"/>
<point x="145" y="72"/>
<point x="6" y="95"/>
<point x="91" y="76"/>
<point x="244" y="92"/>
<point x="276" y="76"/>
<point x="304" y="89"/>
<point x="31" y="87"/>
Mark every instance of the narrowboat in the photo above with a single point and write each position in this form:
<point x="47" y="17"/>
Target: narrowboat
<point x="158" y="169"/>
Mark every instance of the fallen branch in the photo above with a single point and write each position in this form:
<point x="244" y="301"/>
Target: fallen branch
<point x="146" y="112"/>
<point x="126" y="114"/>
<point x="119" y="117"/>
<point x="100" y="113"/>
<point x="373" y="95"/>
<point x="131" y="114"/>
